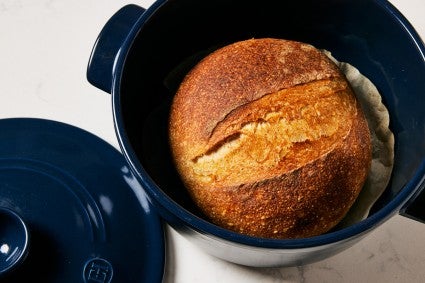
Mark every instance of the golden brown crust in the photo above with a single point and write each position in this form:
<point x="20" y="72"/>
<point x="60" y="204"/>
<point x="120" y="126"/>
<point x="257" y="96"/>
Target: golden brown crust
<point x="226" y="80"/>
<point x="269" y="139"/>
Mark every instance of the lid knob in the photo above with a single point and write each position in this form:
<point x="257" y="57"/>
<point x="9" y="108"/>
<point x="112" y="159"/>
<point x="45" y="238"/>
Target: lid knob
<point x="14" y="239"/>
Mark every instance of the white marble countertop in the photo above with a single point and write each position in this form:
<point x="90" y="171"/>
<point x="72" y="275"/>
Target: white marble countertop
<point x="44" y="51"/>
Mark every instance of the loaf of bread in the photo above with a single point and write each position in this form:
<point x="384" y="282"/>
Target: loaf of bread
<point x="269" y="139"/>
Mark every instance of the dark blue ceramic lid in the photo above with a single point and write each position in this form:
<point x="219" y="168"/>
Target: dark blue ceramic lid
<point x="87" y="217"/>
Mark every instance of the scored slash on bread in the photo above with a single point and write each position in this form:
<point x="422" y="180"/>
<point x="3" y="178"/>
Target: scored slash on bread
<point x="269" y="139"/>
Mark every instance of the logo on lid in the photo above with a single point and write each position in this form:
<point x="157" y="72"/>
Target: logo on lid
<point x="97" y="270"/>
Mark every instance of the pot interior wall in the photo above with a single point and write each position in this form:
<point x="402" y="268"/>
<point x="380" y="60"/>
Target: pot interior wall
<point x="181" y="32"/>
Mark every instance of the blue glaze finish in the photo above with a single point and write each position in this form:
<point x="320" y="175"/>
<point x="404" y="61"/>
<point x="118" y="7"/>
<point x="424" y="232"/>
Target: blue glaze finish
<point x="14" y="240"/>
<point x="87" y="217"/>
<point x="163" y="45"/>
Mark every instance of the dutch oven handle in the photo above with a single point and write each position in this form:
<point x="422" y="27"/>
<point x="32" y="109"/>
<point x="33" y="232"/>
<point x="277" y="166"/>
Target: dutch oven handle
<point x="415" y="206"/>
<point x="108" y="44"/>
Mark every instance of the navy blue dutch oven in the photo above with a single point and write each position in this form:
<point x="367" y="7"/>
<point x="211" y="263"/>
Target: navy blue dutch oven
<point x="141" y="55"/>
